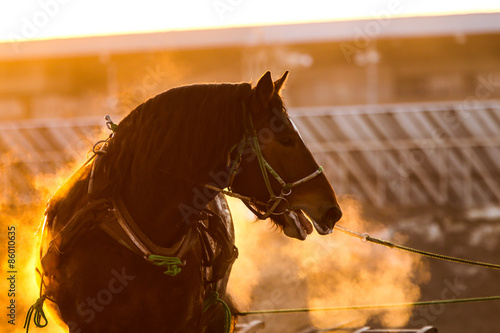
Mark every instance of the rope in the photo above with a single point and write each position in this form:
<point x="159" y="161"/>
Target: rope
<point x="36" y="311"/>
<point x="171" y="263"/>
<point x="231" y="194"/>
<point x="212" y="299"/>
<point x="369" y="307"/>
<point x="367" y="238"/>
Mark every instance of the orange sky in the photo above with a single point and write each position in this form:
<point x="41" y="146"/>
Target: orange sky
<point x="42" y="19"/>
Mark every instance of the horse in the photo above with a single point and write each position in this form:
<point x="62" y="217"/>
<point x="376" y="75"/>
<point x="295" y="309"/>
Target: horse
<point x="141" y="239"/>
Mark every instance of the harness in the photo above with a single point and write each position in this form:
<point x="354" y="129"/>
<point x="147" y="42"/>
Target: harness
<point x="113" y="217"/>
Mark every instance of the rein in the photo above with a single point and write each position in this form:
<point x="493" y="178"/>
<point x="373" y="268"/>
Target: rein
<point x="365" y="237"/>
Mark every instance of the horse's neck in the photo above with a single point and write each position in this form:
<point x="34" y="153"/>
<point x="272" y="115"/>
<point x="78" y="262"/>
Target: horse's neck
<point x="164" y="208"/>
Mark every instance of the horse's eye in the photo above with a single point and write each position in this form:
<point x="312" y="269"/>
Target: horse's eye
<point x="286" y="141"/>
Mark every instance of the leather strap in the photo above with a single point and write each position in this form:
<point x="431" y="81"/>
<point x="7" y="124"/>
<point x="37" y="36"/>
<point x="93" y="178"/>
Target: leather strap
<point x="123" y="228"/>
<point x="220" y="260"/>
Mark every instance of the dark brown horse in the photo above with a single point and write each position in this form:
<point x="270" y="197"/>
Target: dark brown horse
<point x="153" y="189"/>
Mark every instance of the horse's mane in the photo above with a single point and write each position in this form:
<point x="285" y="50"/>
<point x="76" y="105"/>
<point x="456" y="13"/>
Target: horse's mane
<point x="179" y="133"/>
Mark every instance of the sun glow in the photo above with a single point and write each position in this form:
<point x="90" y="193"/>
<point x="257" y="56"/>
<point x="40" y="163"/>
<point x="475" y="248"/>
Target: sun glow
<point x="276" y="272"/>
<point x="49" y="19"/>
<point x="26" y="217"/>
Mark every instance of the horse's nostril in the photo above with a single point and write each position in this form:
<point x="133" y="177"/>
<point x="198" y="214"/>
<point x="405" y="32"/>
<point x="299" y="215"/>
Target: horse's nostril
<point x="331" y="216"/>
<point x="334" y="214"/>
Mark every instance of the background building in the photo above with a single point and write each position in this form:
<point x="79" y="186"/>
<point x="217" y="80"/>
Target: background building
<point x="403" y="113"/>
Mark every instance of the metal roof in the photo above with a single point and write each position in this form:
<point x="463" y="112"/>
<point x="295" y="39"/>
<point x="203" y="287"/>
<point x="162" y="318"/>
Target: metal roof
<point x="37" y="147"/>
<point x="438" y="154"/>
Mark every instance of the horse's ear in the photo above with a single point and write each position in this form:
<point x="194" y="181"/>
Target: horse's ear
<point x="264" y="89"/>
<point x="278" y="84"/>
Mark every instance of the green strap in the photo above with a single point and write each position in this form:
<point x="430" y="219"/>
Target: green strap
<point x="212" y="299"/>
<point x="262" y="165"/>
<point x="113" y="127"/>
<point x="254" y="144"/>
<point x="171" y="263"/>
<point x="110" y="124"/>
<point x="274" y="173"/>
<point x="36" y="311"/>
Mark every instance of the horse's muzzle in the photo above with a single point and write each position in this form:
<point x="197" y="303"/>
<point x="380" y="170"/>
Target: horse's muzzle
<point x="331" y="216"/>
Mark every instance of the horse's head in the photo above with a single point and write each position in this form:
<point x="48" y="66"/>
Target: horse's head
<point x="278" y="170"/>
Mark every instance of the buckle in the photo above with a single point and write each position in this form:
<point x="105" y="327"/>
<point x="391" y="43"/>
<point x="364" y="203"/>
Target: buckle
<point x="274" y="203"/>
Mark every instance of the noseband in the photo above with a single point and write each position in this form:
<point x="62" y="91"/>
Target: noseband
<point x="250" y="140"/>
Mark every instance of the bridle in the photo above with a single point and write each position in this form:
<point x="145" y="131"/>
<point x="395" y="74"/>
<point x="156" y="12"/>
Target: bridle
<point x="250" y="140"/>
